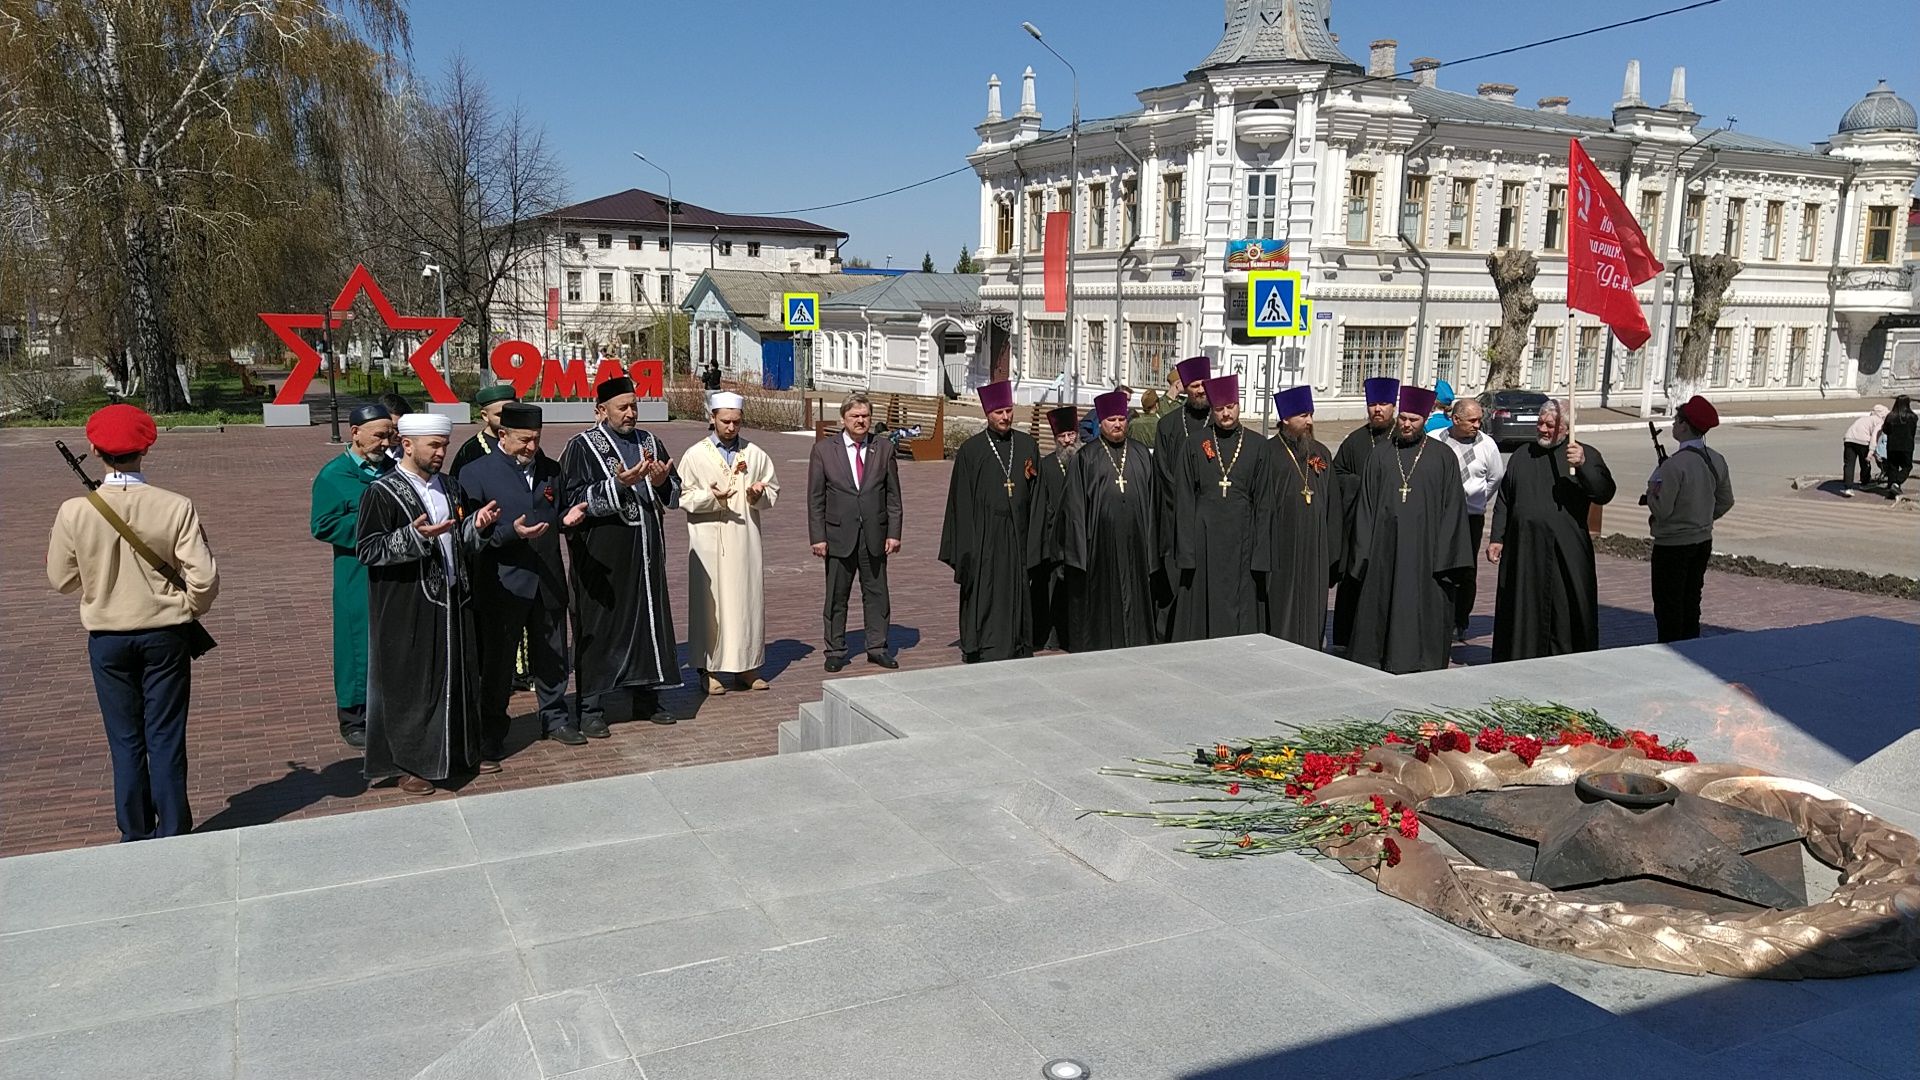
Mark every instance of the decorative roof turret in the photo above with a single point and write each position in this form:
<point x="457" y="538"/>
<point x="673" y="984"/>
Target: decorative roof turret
<point x="1880" y="110"/>
<point x="1266" y="31"/>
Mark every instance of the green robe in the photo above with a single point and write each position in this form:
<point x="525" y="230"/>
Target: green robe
<point x="336" y="521"/>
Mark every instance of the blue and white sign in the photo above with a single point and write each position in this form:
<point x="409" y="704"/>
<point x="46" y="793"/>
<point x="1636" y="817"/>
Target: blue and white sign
<point x="1273" y="303"/>
<point x="802" y="311"/>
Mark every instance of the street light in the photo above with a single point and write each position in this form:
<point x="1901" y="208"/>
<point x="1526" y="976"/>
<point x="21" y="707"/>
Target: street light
<point x="670" y="277"/>
<point x="1073" y="212"/>
<point x="432" y="270"/>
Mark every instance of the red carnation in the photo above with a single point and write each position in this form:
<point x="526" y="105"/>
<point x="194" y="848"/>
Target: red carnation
<point x="1379" y="808"/>
<point x="1393" y="737"/>
<point x="1685" y="757"/>
<point x="1421" y="753"/>
<point x="1347" y="829"/>
<point x="1377" y="767"/>
<point x="1524" y="747"/>
<point x="1233" y="789"/>
<point x="1492" y="739"/>
<point x="1393" y="852"/>
<point x="1409" y="823"/>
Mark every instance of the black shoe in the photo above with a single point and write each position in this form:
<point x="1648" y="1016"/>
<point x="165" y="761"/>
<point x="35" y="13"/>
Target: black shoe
<point x="355" y="737"/>
<point x="835" y="663"/>
<point x="883" y="660"/>
<point x="594" y="729"/>
<point x="568" y="735"/>
<point x="662" y="716"/>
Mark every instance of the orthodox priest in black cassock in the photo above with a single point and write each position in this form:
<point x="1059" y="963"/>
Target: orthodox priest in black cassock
<point x="1170" y="437"/>
<point x="990" y="503"/>
<point x="423" y="708"/>
<point x="1548" y="601"/>
<point x="1349" y="464"/>
<point x="1106" y="540"/>
<point x="1050" y="626"/>
<point x="1224" y="513"/>
<point x="1410" y="544"/>
<point x="1307" y="526"/>
<point x="619" y="481"/>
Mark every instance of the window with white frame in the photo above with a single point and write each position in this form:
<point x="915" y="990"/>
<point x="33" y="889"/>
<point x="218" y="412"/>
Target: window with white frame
<point x="1797" y="339"/>
<point x="1879" y="234"/>
<point x="1096" y="354"/>
<point x="603" y="241"/>
<point x="1448" y="344"/>
<point x="606" y="287"/>
<point x="1513" y="198"/>
<point x="1063" y="199"/>
<point x="726" y="247"/>
<point x="1130" y="211"/>
<point x="1650" y="217"/>
<point x="1809" y="231"/>
<point x="1720" y="362"/>
<point x="1586" y="358"/>
<point x="753" y="249"/>
<point x="666" y="288"/>
<point x="1694" y="223"/>
<point x="1036" y="220"/>
<point x="663" y="242"/>
<point x="1460" y="215"/>
<point x="573" y="285"/>
<point x="637" y="288"/>
<point x="1096" y="216"/>
<point x="1733" y="238"/>
<point x="1003" y="227"/>
<point x="1759" y="355"/>
<point x="1173" y="207"/>
<point x="819" y="251"/>
<point x="1546" y="343"/>
<point x="1630" y="368"/>
<point x="1150" y="351"/>
<point x="1770" y="227"/>
<point x="1263" y="206"/>
<point x="1048" y="338"/>
<point x="635" y="241"/>
<point x="1370" y="352"/>
<point x="1413" y="214"/>
<point x="1556" y="235"/>
<point x="1360" y="208"/>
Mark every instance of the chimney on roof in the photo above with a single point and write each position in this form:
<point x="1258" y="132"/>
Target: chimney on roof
<point x="1554" y="104"/>
<point x="1498" y="91"/>
<point x="993" y="98"/>
<point x="1027" y="107"/>
<point x="1426" y="72"/>
<point x="1677" y="92"/>
<point x="1380" y="58"/>
<point x="1630" y="88"/>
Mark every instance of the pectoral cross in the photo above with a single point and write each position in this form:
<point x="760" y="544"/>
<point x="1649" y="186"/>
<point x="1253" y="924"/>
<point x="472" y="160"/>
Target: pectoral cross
<point x="1009" y="486"/>
<point x="1306" y="492"/>
<point x="1404" y="490"/>
<point x="1224" y="485"/>
<point x="1121" y="483"/>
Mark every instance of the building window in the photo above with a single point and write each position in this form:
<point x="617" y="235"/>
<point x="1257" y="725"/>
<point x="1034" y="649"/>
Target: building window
<point x="573" y="285"/>
<point x="606" y="287"/>
<point x="1369" y="352"/>
<point x="1512" y="197"/>
<point x="1695" y="224"/>
<point x="1263" y="205"/>
<point x="1770" y="231"/>
<point x="666" y="288"/>
<point x="573" y="239"/>
<point x="635" y="241"/>
<point x="1733" y="238"/>
<point x="1359" y="208"/>
<point x="1719" y="361"/>
<point x="1797" y="356"/>
<point x="819" y="251"/>
<point x="1879" y="234"/>
<point x="1809" y="231"/>
<point x="1413" y="215"/>
<point x="1460" y="215"/>
<point x="603" y="241"/>
<point x="1097" y="216"/>
<point x="1096" y="354"/>
<point x="1546" y="341"/>
<point x="1150" y="352"/>
<point x="1049" y="341"/>
<point x="663" y="243"/>
<point x="1173" y="201"/>
<point x="1759" y="356"/>
<point x="1630" y="368"/>
<point x="1650" y="217"/>
<point x="753" y="249"/>
<point x="1130" y="203"/>
<point x="1446" y="353"/>
<point x="1003" y="228"/>
<point x="637" y="288"/>
<point x="1586" y="358"/>
<point x="1063" y="200"/>
<point x="726" y="247"/>
<point x="1036" y="220"/>
<point x="1556" y="238"/>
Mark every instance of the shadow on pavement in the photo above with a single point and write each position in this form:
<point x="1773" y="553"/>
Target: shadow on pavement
<point x="300" y="788"/>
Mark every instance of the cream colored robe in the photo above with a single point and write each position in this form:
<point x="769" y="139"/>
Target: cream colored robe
<point x="726" y="593"/>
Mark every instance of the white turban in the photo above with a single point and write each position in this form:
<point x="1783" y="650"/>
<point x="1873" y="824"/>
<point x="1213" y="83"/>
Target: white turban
<point x="416" y="424"/>
<point x="725" y="399"/>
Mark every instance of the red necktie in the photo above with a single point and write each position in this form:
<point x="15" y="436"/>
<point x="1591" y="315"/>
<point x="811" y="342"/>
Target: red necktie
<point x="860" y="466"/>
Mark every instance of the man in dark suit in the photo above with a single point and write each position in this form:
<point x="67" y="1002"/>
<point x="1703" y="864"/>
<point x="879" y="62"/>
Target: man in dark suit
<point x="853" y="522"/>
<point x="520" y="584"/>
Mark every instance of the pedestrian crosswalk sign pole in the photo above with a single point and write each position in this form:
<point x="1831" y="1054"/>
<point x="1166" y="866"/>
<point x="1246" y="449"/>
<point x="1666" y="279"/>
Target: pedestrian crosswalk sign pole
<point x="1275" y="307"/>
<point x="801" y="311"/>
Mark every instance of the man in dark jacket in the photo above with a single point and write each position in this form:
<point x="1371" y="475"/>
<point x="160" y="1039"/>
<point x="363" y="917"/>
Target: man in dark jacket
<point x="853" y="522"/>
<point x="519" y="583"/>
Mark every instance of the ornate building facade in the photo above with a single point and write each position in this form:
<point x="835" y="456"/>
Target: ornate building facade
<point x="1388" y="194"/>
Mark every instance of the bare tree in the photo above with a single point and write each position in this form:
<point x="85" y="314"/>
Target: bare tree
<point x="1513" y="271"/>
<point x="1712" y="275"/>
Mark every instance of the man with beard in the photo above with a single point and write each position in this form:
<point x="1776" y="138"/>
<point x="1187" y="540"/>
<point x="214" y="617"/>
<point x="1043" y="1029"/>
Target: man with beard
<point x="1481" y="469"/>
<point x="1307" y="526"/>
<point x="1050" y="629"/>
<point x="1223" y="543"/>
<point x="1178" y="427"/>
<point x="1106" y="536"/>
<point x="990" y="500"/>
<point x="619" y="481"/>
<point x="416" y="538"/>
<point x="335" y="520"/>
<point x="727" y="482"/>
<point x="1409" y="546"/>
<point x="1349" y="463"/>
<point x="520" y="587"/>
<point x="490" y="401"/>
<point x="1548" y="600"/>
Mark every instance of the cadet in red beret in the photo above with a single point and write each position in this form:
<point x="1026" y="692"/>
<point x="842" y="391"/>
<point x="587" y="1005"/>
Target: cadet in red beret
<point x="1690" y="491"/>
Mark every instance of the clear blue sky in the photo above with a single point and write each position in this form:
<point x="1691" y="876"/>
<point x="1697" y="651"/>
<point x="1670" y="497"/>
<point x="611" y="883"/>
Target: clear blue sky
<point x="760" y="106"/>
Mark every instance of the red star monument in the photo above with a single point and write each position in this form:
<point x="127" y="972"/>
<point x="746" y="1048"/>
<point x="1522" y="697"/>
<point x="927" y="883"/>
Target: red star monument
<point x="307" y="360"/>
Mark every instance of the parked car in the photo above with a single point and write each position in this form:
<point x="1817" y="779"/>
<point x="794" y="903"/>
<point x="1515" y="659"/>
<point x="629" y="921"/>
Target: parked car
<point x="1511" y="416"/>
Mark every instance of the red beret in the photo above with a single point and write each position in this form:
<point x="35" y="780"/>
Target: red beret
<point x="1700" y="414"/>
<point x="121" y="430"/>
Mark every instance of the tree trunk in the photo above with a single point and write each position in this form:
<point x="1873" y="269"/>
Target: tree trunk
<point x="1513" y="271"/>
<point x="155" y="347"/>
<point x="1712" y="275"/>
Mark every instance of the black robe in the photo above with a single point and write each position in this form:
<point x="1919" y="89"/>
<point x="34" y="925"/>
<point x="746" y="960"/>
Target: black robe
<point x="622" y="620"/>
<point x="1306" y="542"/>
<point x="1170" y="436"/>
<point x="1224" y="542"/>
<point x="1050" y="624"/>
<point x="423" y="709"/>
<point x="984" y="540"/>
<point x="476" y="447"/>
<point x="1348" y="466"/>
<point x="1408" y="548"/>
<point x="1107" y="546"/>
<point x="1548" y="601"/>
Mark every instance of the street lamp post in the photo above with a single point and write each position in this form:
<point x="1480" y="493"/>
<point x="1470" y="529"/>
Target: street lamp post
<point x="670" y="276"/>
<point x="434" y="271"/>
<point x="1073" y="213"/>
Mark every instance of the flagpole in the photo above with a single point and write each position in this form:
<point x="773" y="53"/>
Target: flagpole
<point x="1573" y="369"/>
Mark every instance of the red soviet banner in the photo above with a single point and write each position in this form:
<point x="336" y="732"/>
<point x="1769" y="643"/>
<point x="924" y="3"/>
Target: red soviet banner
<point x="1607" y="254"/>
<point x="1059" y="226"/>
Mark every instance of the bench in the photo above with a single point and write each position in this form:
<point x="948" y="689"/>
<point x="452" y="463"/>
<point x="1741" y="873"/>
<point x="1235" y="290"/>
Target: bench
<point x="903" y="411"/>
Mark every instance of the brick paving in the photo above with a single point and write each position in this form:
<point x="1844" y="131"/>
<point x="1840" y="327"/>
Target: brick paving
<point x="262" y="741"/>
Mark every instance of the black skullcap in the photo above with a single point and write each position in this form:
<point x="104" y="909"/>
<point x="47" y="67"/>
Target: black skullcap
<point x="613" y="388"/>
<point x="520" y="415"/>
<point x="367" y="414"/>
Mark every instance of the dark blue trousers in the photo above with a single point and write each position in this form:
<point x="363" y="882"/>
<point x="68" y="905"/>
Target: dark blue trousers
<point x="143" y="679"/>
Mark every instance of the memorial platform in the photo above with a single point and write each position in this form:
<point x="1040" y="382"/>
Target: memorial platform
<point x="910" y="889"/>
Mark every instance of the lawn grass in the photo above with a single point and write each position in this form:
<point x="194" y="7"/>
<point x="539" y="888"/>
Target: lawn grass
<point x="220" y="398"/>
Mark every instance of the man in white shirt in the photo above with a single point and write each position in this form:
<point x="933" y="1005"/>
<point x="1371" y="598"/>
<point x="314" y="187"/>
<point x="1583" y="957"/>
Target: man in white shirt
<point x="853" y="522"/>
<point x="1481" y="468"/>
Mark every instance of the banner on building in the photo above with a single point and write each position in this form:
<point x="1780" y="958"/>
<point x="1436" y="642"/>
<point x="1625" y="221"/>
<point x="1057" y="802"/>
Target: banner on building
<point x="1054" y="282"/>
<point x="1256" y="254"/>
<point x="1607" y="254"/>
<point x="553" y="308"/>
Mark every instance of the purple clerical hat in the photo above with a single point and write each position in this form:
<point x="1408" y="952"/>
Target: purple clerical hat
<point x="1193" y="369"/>
<point x="1062" y="418"/>
<point x="1382" y="391"/>
<point x="1112" y="403"/>
<point x="1416" y="400"/>
<point x="1293" y="401"/>
<point x="1224" y="390"/>
<point x="996" y="396"/>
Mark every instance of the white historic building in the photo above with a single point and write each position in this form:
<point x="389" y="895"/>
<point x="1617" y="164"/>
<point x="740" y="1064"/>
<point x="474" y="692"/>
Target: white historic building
<point x="1389" y="193"/>
<point x="910" y="334"/>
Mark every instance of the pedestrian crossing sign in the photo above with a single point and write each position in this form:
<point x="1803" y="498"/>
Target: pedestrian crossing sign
<point x="802" y="311"/>
<point x="1275" y="307"/>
